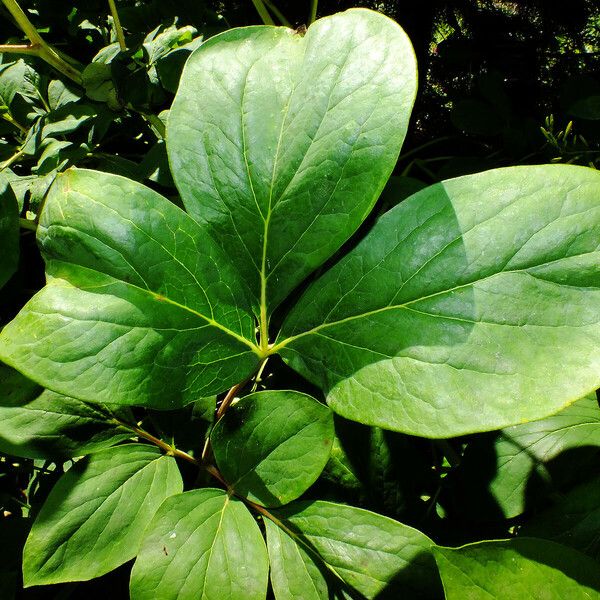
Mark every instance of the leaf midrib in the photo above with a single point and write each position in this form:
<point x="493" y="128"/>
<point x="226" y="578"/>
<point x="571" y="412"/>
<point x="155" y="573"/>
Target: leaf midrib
<point x="280" y="345"/>
<point x="161" y="298"/>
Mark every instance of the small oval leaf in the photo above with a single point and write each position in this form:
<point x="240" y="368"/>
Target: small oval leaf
<point x="272" y="446"/>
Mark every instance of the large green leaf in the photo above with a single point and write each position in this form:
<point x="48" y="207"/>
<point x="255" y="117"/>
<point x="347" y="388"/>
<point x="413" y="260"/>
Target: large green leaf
<point x="473" y="305"/>
<point x="281" y="143"/>
<point x="375" y="555"/>
<point x="42" y="424"/>
<point x="522" y="461"/>
<point x="9" y="231"/>
<point x="272" y="446"/>
<point x="517" y="569"/>
<point x="140" y="307"/>
<point x="574" y="520"/>
<point x="95" y="516"/>
<point x="201" y="544"/>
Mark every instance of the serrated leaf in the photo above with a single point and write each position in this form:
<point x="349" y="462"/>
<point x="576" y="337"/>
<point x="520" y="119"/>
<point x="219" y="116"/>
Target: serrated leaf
<point x="517" y="569"/>
<point x="272" y="446"/>
<point x="574" y="519"/>
<point x="292" y="139"/>
<point x="95" y="516"/>
<point x="42" y="424"/>
<point x="9" y="231"/>
<point x="473" y="305"/>
<point x="521" y="458"/>
<point x="140" y="306"/>
<point x="373" y="554"/>
<point x="201" y="544"/>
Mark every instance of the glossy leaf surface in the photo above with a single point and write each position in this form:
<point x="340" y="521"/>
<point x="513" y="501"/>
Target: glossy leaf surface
<point x="473" y="305"/>
<point x="525" y="457"/>
<point x="140" y="306"/>
<point x="272" y="446"/>
<point x="37" y="423"/>
<point x="375" y="555"/>
<point x="95" y="516"/>
<point x="281" y="143"/>
<point x="517" y="569"/>
<point x="9" y="231"/>
<point x="201" y="544"/>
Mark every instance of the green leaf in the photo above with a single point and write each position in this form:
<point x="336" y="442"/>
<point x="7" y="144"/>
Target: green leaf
<point x="42" y="424"/>
<point x="95" y="516"/>
<point x="295" y="573"/>
<point x="292" y="139"/>
<point x="61" y="94"/>
<point x="375" y="555"/>
<point x="574" y="520"/>
<point x="9" y="231"/>
<point x="140" y="306"/>
<point x="523" y="458"/>
<point x="471" y="306"/>
<point x="517" y="569"/>
<point x="201" y="544"/>
<point x="272" y="446"/>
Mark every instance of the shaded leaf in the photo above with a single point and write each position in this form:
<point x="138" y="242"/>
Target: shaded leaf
<point x="522" y="456"/>
<point x="9" y="231"/>
<point x="574" y="520"/>
<point x="42" y="424"/>
<point x="517" y="569"/>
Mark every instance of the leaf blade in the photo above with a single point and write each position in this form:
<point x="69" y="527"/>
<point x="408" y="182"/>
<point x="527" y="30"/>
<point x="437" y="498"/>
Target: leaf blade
<point x="78" y="534"/>
<point x="140" y="307"/>
<point x="454" y="295"/>
<point x="228" y="559"/>
<point x="271" y="149"/>
<point x="272" y="446"/>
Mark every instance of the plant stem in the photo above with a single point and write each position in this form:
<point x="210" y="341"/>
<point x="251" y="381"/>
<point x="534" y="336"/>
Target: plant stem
<point x="229" y="398"/>
<point x="117" y="22"/>
<point x="14" y="158"/>
<point x="20" y="127"/>
<point x="313" y="11"/>
<point x="38" y="46"/>
<point x="277" y="13"/>
<point x="18" y="49"/>
<point x="261" y="9"/>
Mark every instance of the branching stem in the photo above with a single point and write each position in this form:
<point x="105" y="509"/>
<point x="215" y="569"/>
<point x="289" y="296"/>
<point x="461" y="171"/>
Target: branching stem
<point x="38" y="46"/>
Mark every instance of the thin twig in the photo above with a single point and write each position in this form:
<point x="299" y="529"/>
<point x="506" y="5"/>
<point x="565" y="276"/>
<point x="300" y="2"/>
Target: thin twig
<point x="117" y="22"/>
<point x="229" y="398"/>
<point x="19" y="49"/>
